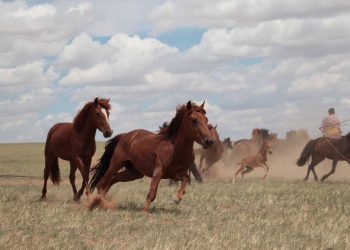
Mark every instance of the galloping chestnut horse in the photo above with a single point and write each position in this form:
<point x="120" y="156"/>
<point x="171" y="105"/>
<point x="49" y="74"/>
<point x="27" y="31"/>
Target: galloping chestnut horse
<point x="253" y="161"/>
<point x="245" y="147"/>
<point x="212" y="154"/>
<point x="75" y="142"/>
<point x="164" y="155"/>
<point x="324" y="147"/>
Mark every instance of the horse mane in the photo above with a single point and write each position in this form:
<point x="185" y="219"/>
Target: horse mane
<point x="80" y="118"/>
<point x="236" y="142"/>
<point x="347" y="136"/>
<point x="164" y="125"/>
<point x="173" y="127"/>
<point x="264" y="133"/>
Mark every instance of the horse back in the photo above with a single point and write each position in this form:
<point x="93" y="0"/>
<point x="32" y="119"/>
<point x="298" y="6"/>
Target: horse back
<point x="58" y="142"/>
<point x="140" y="148"/>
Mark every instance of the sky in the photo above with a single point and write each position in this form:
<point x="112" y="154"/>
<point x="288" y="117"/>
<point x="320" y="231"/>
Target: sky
<point x="275" y="64"/>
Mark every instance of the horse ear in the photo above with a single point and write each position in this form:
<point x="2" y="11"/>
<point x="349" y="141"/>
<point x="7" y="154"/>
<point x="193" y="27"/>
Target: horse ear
<point x="108" y="100"/>
<point x="202" y="105"/>
<point x="96" y="102"/>
<point x="189" y="105"/>
<point x="216" y="126"/>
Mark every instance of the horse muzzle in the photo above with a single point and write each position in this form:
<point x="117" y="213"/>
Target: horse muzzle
<point x="107" y="134"/>
<point x="206" y="143"/>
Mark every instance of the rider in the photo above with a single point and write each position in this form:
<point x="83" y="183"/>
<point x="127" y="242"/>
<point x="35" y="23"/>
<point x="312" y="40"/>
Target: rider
<point x="330" y="125"/>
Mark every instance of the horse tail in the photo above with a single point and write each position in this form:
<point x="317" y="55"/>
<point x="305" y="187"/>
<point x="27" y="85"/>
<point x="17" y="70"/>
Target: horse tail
<point x="195" y="172"/>
<point x="101" y="167"/>
<point x="55" y="175"/>
<point x="306" y="153"/>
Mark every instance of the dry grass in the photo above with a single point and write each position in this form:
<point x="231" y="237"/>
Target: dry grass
<point x="251" y="214"/>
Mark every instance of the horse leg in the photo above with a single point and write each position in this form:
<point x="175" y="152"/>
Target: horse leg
<point x="308" y="172"/>
<point x="85" y="175"/>
<point x="200" y="167"/>
<point x="334" y="165"/>
<point x="114" y="166"/>
<point x="49" y="159"/>
<point x="78" y="163"/>
<point x="266" y="169"/>
<point x="247" y="170"/>
<point x="73" y="169"/>
<point x="129" y="174"/>
<point x="193" y="169"/>
<point x="180" y="194"/>
<point x="314" y="162"/>
<point x="157" y="176"/>
<point x="241" y="167"/>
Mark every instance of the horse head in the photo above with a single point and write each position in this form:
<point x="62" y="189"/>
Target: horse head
<point x="267" y="146"/>
<point x="100" y="116"/>
<point x="214" y="132"/>
<point x="227" y="142"/>
<point x="196" y="125"/>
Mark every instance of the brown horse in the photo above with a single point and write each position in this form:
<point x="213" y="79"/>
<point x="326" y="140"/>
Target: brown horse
<point x="248" y="164"/>
<point x="214" y="153"/>
<point x="192" y="169"/>
<point x="75" y="142"/>
<point x="321" y="148"/>
<point x="245" y="147"/>
<point x="164" y="155"/>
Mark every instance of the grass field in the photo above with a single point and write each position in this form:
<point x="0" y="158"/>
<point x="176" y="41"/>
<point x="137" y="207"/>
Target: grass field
<point x="250" y="214"/>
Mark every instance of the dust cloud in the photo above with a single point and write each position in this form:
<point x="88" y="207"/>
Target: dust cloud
<point x="282" y="163"/>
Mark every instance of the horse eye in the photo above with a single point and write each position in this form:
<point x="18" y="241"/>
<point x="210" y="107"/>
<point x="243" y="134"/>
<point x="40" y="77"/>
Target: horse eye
<point x="98" y="113"/>
<point x="195" y="121"/>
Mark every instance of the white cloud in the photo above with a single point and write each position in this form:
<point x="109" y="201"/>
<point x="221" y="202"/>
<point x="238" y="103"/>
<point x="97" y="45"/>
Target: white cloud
<point x="317" y="82"/>
<point x="234" y="13"/>
<point x="80" y="9"/>
<point x="273" y="64"/>
<point x="120" y="58"/>
<point x="277" y="38"/>
<point x="31" y="74"/>
<point x="29" y="33"/>
<point x="345" y="101"/>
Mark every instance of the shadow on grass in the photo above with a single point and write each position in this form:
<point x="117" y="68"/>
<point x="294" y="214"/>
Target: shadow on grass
<point x="138" y="207"/>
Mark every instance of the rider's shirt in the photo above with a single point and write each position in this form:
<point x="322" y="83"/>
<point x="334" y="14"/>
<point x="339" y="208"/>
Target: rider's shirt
<point x="331" y="127"/>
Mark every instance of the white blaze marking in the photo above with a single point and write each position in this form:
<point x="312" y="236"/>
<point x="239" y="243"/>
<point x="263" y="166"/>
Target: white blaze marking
<point x="104" y="111"/>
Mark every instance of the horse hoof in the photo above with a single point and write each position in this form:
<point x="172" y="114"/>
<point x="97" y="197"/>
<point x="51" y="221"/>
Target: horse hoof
<point x="76" y="198"/>
<point x="42" y="198"/>
<point x="176" y="199"/>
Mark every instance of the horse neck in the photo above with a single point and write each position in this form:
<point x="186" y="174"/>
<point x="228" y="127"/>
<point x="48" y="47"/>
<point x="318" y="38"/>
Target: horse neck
<point x="88" y="133"/>
<point x="262" y="152"/>
<point x="219" y="146"/>
<point x="183" y="145"/>
<point x="259" y="140"/>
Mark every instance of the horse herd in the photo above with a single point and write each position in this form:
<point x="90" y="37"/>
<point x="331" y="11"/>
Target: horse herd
<point x="166" y="154"/>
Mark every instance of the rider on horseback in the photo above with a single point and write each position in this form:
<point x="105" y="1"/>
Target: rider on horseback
<point x="331" y="125"/>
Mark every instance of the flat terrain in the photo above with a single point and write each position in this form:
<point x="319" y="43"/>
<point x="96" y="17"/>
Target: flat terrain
<point x="277" y="213"/>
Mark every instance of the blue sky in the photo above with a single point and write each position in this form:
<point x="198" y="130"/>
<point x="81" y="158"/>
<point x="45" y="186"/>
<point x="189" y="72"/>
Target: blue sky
<point x="280" y="66"/>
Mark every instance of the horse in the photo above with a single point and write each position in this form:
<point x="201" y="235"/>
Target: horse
<point x="336" y="149"/>
<point x="163" y="155"/>
<point x="75" y="142"/>
<point x="245" y="147"/>
<point x="250" y="162"/>
<point x="214" y="153"/>
<point x="192" y="169"/>
<point x="227" y="143"/>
